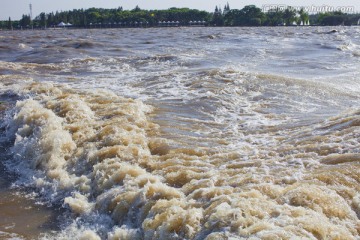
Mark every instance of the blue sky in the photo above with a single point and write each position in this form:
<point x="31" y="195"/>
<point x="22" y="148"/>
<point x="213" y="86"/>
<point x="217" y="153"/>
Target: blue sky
<point x="15" y="8"/>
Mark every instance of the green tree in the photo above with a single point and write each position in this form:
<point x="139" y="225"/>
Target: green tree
<point x="9" y="24"/>
<point x="25" y="21"/>
<point x="289" y="15"/>
<point x="274" y="17"/>
<point x="43" y="20"/>
<point x="254" y="15"/>
<point x="136" y="9"/>
<point x="84" y="20"/>
<point x="137" y="16"/>
<point x="304" y="16"/>
<point x="248" y="16"/>
<point x="50" y="19"/>
<point x="217" y="18"/>
<point x="333" y="19"/>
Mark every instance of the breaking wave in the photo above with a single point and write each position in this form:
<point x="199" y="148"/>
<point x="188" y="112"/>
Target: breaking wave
<point x="101" y="157"/>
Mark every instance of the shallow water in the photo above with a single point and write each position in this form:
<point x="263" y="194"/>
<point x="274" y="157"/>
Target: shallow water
<point x="183" y="133"/>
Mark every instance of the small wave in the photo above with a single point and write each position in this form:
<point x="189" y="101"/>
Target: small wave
<point x="6" y="49"/>
<point x="24" y="46"/>
<point x="84" y="44"/>
<point x="328" y="46"/>
<point x="341" y="158"/>
<point x="11" y="236"/>
<point x="162" y="58"/>
<point x="356" y="53"/>
<point x="211" y="36"/>
<point x="17" y="68"/>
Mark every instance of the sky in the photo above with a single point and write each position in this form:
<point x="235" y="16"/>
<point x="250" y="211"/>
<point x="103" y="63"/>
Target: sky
<point x="16" y="8"/>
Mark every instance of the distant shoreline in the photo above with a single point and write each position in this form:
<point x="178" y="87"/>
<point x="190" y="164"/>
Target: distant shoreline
<point x="104" y="28"/>
<point x="173" y="17"/>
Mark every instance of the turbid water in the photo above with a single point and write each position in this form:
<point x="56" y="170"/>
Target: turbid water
<point x="180" y="133"/>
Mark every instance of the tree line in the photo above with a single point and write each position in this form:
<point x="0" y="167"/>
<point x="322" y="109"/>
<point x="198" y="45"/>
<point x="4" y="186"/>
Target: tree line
<point x="137" y="17"/>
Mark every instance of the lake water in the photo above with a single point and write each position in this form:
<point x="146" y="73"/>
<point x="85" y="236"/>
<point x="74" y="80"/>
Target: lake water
<point x="180" y="133"/>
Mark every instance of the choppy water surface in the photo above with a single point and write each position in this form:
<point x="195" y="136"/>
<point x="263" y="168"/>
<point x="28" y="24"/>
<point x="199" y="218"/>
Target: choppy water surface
<point x="181" y="133"/>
